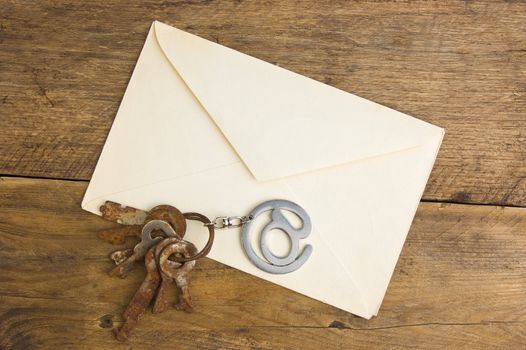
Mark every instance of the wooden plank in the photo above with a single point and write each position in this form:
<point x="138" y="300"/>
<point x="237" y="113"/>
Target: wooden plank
<point x="43" y="324"/>
<point x="460" y="283"/>
<point x="64" y="67"/>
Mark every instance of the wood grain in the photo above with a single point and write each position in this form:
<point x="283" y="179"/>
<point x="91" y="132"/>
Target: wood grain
<point x="459" y="64"/>
<point x="460" y="283"/>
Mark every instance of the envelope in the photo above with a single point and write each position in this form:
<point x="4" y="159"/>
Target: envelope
<point x="208" y="129"/>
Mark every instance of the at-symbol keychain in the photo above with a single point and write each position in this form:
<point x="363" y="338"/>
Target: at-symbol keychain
<point x="169" y="258"/>
<point x="273" y="263"/>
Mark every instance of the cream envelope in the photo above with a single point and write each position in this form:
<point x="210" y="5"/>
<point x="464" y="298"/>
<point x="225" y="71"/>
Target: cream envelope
<point x="209" y="129"/>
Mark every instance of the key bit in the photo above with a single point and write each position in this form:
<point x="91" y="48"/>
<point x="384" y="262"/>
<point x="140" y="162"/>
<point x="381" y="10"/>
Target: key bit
<point x="142" y="297"/>
<point x="119" y="256"/>
<point x="179" y="274"/>
<point x="123" y="215"/>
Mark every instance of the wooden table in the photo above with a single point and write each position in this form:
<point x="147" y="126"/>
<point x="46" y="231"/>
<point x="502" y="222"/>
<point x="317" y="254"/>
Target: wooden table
<point x="461" y="278"/>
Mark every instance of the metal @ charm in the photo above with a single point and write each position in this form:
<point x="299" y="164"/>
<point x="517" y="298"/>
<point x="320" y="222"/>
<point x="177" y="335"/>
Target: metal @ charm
<point x="273" y="263"/>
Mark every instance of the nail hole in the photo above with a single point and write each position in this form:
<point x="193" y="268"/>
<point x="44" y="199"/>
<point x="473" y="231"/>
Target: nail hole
<point x="337" y="324"/>
<point x="106" y="321"/>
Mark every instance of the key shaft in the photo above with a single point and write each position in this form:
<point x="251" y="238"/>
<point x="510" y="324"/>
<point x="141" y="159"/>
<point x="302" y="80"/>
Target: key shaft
<point x="142" y="298"/>
<point x="161" y="300"/>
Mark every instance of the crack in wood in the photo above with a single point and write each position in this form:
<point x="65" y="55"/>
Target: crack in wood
<point x="425" y="324"/>
<point x="41" y="88"/>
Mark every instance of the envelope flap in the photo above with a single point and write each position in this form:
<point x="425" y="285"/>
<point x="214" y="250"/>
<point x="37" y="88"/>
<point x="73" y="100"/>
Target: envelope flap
<point x="279" y="122"/>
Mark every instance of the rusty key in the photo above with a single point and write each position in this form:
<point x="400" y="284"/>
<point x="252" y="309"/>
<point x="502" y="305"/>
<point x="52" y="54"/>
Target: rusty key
<point x="142" y="297"/>
<point x="140" y="250"/>
<point x="178" y="274"/>
<point x="161" y="301"/>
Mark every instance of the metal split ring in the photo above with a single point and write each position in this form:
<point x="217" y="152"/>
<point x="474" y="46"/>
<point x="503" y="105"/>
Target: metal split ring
<point x="207" y="247"/>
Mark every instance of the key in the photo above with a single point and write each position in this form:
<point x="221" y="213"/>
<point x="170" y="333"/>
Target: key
<point x="179" y="274"/>
<point x="140" y="250"/>
<point x="161" y="300"/>
<point x="141" y="298"/>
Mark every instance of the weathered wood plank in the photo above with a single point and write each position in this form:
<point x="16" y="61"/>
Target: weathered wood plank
<point x="461" y="65"/>
<point x="460" y="282"/>
<point x="38" y="323"/>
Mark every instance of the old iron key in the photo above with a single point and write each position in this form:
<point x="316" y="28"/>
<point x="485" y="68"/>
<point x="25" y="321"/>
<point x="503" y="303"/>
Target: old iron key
<point x="179" y="274"/>
<point x="161" y="300"/>
<point x="142" y="297"/>
<point x="140" y="250"/>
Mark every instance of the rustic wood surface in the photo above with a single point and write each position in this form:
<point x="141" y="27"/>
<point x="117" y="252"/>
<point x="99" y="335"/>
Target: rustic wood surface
<point x="460" y="282"/>
<point x="461" y="65"/>
<point x="461" y="279"/>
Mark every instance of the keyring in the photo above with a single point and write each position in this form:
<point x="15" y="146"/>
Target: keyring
<point x="211" y="232"/>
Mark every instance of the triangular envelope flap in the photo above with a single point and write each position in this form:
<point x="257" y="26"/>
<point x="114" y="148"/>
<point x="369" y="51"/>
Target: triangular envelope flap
<point x="160" y="133"/>
<point x="279" y="122"/>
